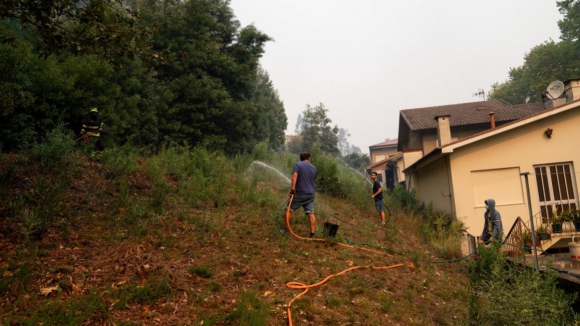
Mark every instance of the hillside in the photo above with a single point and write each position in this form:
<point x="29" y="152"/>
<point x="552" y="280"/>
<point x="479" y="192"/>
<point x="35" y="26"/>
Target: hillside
<point x="194" y="239"/>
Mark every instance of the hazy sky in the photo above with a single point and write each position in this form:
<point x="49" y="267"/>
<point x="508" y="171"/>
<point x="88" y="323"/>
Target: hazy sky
<point x="367" y="60"/>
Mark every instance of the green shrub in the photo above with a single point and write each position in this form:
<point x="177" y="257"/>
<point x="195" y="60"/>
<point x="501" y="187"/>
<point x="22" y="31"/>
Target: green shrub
<point x="6" y="175"/>
<point x="250" y="311"/>
<point x="148" y="293"/>
<point x="214" y="286"/>
<point x="328" y="180"/>
<point x="161" y="188"/>
<point x="56" y="151"/>
<point x="18" y="279"/>
<point x="200" y="271"/>
<point x="403" y="198"/>
<point x="38" y="206"/>
<point x="442" y="232"/>
<point x="356" y="187"/>
<point x="510" y="293"/>
<point x="151" y="292"/>
<point x="87" y="309"/>
<point x="262" y="152"/>
<point x="120" y="161"/>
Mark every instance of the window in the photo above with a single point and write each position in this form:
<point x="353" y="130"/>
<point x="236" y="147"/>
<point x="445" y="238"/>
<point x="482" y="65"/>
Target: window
<point x="503" y="185"/>
<point x="556" y="188"/>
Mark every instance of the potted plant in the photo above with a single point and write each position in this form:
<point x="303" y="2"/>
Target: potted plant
<point x="527" y="238"/>
<point x="557" y="221"/>
<point x="575" y="217"/>
<point x="542" y="232"/>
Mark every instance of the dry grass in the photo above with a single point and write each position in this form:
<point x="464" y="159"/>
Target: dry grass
<point x="220" y="262"/>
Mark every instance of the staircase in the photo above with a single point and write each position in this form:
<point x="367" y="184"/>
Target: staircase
<point x="556" y="241"/>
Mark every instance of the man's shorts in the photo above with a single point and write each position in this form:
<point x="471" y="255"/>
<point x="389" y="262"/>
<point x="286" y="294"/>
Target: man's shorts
<point x="379" y="204"/>
<point x="305" y="201"/>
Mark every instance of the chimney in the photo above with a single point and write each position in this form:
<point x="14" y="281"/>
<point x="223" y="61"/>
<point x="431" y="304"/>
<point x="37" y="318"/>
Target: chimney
<point x="443" y="129"/>
<point x="548" y="103"/>
<point x="492" y="119"/>
<point x="571" y="90"/>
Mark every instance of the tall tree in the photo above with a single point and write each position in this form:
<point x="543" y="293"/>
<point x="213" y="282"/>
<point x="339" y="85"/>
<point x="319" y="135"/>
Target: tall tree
<point x="319" y="129"/>
<point x="100" y="27"/>
<point x="542" y="65"/>
<point x="211" y="74"/>
<point x="300" y="124"/>
<point x="357" y="161"/>
<point x="180" y="71"/>
<point x="570" y="24"/>
<point x="546" y="62"/>
<point x="269" y="121"/>
<point x="343" y="144"/>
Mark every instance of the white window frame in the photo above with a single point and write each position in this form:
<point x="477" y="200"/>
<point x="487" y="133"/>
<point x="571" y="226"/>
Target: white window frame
<point x="550" y="203"/>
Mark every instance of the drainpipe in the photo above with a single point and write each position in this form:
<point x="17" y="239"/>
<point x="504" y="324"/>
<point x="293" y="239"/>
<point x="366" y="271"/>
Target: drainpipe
<point x="449" y="181"/>
<point x="492" y="119"/>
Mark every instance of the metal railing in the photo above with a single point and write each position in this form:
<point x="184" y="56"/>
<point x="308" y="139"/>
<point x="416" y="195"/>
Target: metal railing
<point x="514" y="242"/>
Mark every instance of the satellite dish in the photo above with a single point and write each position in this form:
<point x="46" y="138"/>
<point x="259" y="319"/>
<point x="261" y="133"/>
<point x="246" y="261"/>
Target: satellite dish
<point x="555" y="89"/>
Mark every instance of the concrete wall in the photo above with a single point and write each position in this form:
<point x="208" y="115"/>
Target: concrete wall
<point x="490" y="168"/>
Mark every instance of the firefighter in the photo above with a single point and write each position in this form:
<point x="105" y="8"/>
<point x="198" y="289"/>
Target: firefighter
<point x="92" y="127"/>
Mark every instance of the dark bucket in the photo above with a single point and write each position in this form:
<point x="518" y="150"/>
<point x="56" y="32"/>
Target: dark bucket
<point x="330" y="229"/>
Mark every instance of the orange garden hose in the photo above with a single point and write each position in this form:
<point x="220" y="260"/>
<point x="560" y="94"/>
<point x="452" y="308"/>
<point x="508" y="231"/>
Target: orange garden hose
<point x="288" y="223"/>
<point x="299" y="285"/>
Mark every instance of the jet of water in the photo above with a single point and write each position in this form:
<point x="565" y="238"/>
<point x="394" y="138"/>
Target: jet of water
<point x="271" y="168"/>
<point x="357" y="171"/>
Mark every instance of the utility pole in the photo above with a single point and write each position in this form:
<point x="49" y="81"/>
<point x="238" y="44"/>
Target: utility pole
<point x="525" y="174"/>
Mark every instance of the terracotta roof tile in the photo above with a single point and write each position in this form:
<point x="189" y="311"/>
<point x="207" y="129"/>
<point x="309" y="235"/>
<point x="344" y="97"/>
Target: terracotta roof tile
<point x="387" y="143"/>
<point x="468" y="113"/>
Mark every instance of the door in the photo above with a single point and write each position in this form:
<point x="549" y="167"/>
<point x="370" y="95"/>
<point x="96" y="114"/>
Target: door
<point x="390" y="176"/>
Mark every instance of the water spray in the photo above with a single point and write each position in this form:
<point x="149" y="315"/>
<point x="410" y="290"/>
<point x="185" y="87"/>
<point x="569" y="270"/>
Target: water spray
<point x="271" y="168"/>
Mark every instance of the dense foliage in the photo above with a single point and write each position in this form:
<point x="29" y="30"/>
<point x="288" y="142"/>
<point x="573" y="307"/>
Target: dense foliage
<point x="507" y="292"/>
<point x="158" y="71"/>
<point x="546" y="62"/>
<point x="317" y="129"/>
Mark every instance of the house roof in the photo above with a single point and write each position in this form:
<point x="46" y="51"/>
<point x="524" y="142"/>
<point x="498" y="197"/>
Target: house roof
<point x="390" y="142"/>
<point x="449" y="148"/>
<point x="385" y="161"/>
<point x="464" y="114"/>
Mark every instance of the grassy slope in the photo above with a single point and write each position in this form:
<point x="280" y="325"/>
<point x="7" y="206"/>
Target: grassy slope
<point x="121" y="250"/>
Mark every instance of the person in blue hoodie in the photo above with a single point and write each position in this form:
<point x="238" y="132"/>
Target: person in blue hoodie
<point x="492" y="226"/>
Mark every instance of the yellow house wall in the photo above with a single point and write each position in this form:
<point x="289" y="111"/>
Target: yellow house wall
<point x="381" y="154"/>
<point x="400" y="168"/>
<point x="433" y="182"/>
<point x="430" y="138"/>
<point x="429" y="142"/>
<point x="521" y="149"/>
<point x="411" y="157"/>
